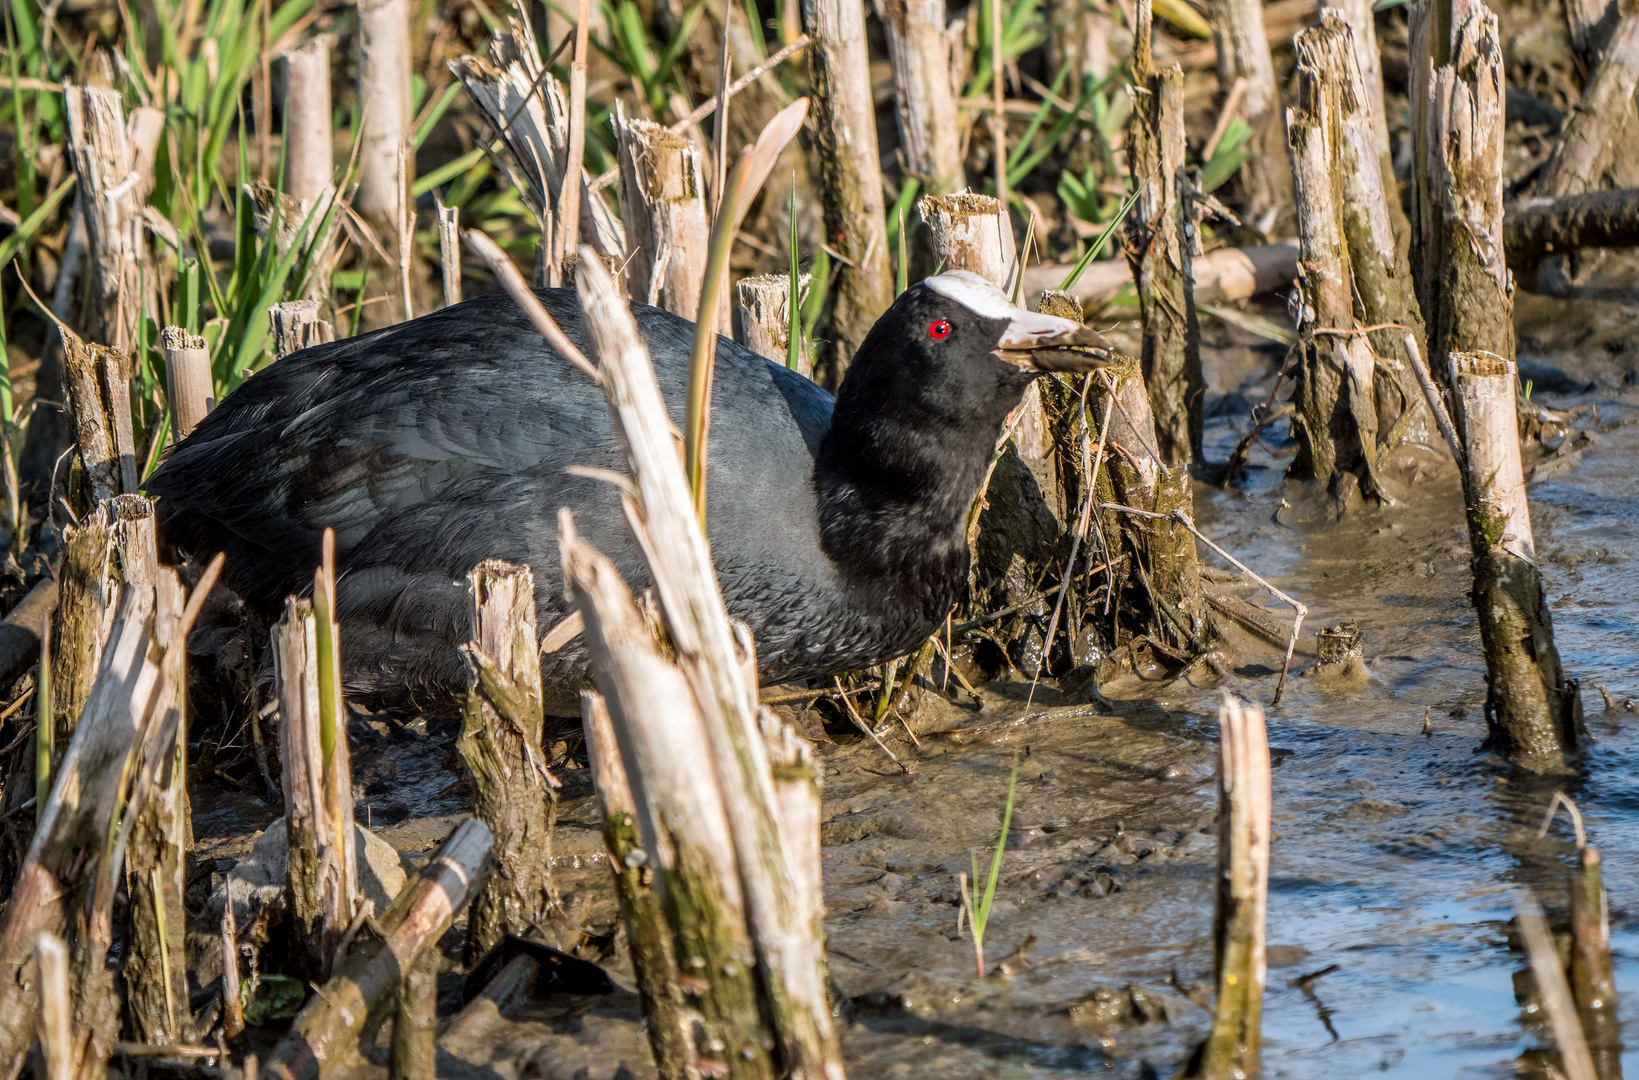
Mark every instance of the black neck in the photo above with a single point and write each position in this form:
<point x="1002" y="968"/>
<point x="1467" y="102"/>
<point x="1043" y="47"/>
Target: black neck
<point x="896" y="475"/>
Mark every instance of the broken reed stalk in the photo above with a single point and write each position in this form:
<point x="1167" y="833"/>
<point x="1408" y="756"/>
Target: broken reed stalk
<point x="1155" y="580"/>
<point x="921" y="54"/>
<point x="1361" y="21"/>
<point x="325" y="1034"/>
<point x="1239" y="921"/>
<point x="1593" y="984"/>
<point x="500" y="741"/>
<point x="413" y="1054"/>
<point x="449" y="250"/>
<point x="525" y="105"/>
<point x="1335" y="399"/>
<point x="1552" y="989"/>
<point x="1457" y="224"/>
<point x="850" y="174"/>
<point x="97" y="380"/>
<point x="69" y="878"/>
<point x="1588" y="139"/>
<point x="89" y="593"/>
<point x="765" y="317"/>
<point x="718" y="671"/>
<point x="156" y="969"/>
<point x="567" y="236"/>
<point x="662" y="199"/>
<point x="1377" y="239"/>
<point x="971" y="232"/>
<point x="1243" y="53"/>
<point x="233" y="1008"/>
<point x="112" y="192"/>
<point x="1158" y="248"/>
<point x="56" y="1032"/>
<point x="1531" y="709"/>
<point x="309" y="164"/>
<point x="297" y="326"/>
<point x="383" y="47"/>
<point x="188" y="386"/>
<point x="654" y="961"/>
<point x="321" y="879"/>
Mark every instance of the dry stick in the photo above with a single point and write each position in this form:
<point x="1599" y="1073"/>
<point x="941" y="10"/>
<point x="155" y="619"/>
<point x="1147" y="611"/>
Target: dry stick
<point x="501" y="730"/>
<point x="296" y="326"/>
<point x="765" y="316"/>
<point x="859" y="722"/>
<point x="414" y="1051"/>
<point x="1225" y="274"/>
<point x="1587" y="139"/>
<point x="1362" y="24"/>
<point x="1431" y="396"/>
<point x="1593" y="984"/>
<point x="325" y="1034"/>
<point x="705" y="108"/>
<point x="567" y="235"/>
<point x="96" y="381"/>
<point x="998" y="119"/>
<point x="721" y="674"/>
<point x="919" y="50"/>
<point x="233" y="1010"/>
<point x="512" y="281"/>
<point x="449" y="249"/>
<point x="1533" y="228"/>
<point x="1244" y="811"/>
<point x="111" y="194"/>
<point x="1226" y="113"/>
<point x="662" y="199"/>
<point x="384" y="104"/>
<point x="850" y="174"/>
<point x="187" y="379"/>
<point x="1552" y="988"/>
<point x="719" y="126"/>
<point x="57" y="1042"/>
<point x="1158" y="250"/>
<point x="1302" y="611"/>
<point x="683" y="827"/>
<point x="1530" y="707"/>
<point x="1335" y="396"/>
<point x="653" y="959"/>
<point x="404" y="228"/>
<point x="1243" y="52"/>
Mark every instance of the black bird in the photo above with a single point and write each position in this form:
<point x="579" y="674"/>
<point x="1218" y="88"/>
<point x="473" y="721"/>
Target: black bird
<point x="837" y="527"/>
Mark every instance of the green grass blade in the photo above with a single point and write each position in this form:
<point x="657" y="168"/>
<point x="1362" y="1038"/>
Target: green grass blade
<point x="11" y="245"/>
<point x="981" y="915"/>
<point x="1098" y="245"/>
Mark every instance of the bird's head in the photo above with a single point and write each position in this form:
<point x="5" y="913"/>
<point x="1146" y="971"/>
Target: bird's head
<point x="956" y="343"/>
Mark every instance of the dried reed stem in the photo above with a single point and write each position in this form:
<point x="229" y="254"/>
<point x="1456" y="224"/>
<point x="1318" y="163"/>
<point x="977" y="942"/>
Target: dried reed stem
<point x="1243" y="53"/>
<point x="765" y="317"/>
<point x="449" y="250"/>
<point x="309" y="152"/>
<point x="500" y="741"/>
<point x="188" y="384"/>
<point x="662" y="198"/>
<point x="850" y="175"/>
<point x="297" y="326"/>
<point x="383" y="46"/>
<point x="97" y="380"/>
<point x="1244" y="809"/>
<point x="921" y="52"/>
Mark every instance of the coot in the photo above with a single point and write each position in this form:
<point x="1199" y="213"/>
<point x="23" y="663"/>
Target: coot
<point x="837" y="527"/>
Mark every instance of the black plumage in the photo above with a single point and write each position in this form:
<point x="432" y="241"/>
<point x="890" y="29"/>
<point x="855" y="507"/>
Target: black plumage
<point x="837" y="528"/>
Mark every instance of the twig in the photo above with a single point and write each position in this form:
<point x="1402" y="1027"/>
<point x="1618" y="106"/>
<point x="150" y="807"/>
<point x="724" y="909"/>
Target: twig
<point x="507" y="274"/>
<point x="1184" y="519"/>
<point x="1552" y="988"/>
<point x="1431" y="394"/>
<point x="1561" y="799"/>
<point x="859" y="722"/>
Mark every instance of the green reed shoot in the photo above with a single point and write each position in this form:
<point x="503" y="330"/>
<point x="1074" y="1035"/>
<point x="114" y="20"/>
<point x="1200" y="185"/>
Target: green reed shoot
<point x="1098" y="245"/>
<point x="981" y="910"/>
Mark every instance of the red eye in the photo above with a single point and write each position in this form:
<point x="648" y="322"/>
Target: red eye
<point x="939" y="330"/>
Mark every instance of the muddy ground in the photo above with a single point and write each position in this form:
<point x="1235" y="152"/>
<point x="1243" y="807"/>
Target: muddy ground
<point x="1399" y="839"/>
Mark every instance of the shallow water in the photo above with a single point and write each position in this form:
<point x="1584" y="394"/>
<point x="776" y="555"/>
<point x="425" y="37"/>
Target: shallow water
<point x="1395" y="861"/>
